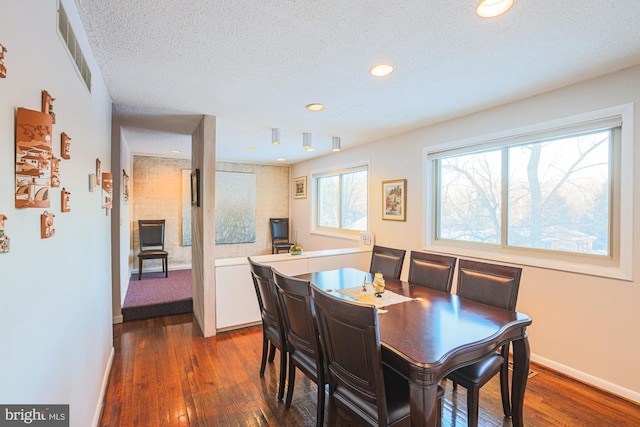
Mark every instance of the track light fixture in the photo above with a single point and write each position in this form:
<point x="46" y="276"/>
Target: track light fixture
<point x="306" y="141"/>
<point x="276" y="136"/>
<point x="336" y="145"/>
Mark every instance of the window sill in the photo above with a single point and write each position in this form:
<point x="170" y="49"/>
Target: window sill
<point x="610" y="272"/>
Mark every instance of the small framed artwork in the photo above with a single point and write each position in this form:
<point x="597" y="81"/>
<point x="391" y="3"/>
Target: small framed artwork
<point x="195" y="188"/>
<point x="394" y="199"/>
<point x="366" y="240"/>
<point x="300" y="187"/>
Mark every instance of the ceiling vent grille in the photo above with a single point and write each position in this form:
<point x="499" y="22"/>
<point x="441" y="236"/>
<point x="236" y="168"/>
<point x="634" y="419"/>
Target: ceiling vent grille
<point x="69" y="37"/>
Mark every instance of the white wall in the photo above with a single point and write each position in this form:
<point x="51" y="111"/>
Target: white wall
<point x="55" y="294"/>
<point x="583" y="325"/>
<point x="120" y="219"/>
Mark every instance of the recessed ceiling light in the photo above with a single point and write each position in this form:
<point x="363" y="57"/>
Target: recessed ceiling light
<point x="251" y="148"/>
<point x="381" y="70"/>
<point x="176" y="151"/>
<point x="315" y="107"/>
<point x="493" y="8"/>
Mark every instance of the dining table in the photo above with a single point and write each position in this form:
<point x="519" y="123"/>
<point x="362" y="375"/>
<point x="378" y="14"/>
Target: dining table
<point x="426" y="334"/>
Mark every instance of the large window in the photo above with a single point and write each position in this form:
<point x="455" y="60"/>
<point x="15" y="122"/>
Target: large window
<point x="342" y="200"/>
<point x="557" y="193"/>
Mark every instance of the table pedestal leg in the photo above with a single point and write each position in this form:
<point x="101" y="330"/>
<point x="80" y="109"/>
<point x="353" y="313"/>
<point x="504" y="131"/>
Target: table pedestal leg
<point x="423" y="400"/>
<point x="520" y="374"/>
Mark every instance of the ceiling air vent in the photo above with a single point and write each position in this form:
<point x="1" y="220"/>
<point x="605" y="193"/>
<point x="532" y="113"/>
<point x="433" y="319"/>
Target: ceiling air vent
<point x="69" y="37"/>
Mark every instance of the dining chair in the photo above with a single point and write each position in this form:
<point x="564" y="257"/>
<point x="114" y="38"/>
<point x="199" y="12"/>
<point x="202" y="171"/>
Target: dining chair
<point x="151" y="234"/>
<point x="495" y="285"/>
<point x="279" y="235"/>
<point x="302" y="336"/>
<point x="432" y="270"/>
<point x="359" y="383"/>
<point x="273" y="335"/>
<point x="387" y="261"/>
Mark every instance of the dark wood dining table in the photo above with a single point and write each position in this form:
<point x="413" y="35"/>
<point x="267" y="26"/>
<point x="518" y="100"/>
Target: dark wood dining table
<point x="435" y="333"/>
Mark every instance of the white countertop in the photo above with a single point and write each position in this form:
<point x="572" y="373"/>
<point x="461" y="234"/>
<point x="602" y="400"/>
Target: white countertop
<point x="225" y="262"/>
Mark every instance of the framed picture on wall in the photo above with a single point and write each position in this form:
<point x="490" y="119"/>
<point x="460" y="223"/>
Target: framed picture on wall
<point x="394" y="199"/>
<point x="366" y="240"/>
<point x="300" y="187"/>
<point x="195" y="188"/>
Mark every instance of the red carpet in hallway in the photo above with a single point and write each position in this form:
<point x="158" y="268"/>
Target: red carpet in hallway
<point x="156" y="295"/>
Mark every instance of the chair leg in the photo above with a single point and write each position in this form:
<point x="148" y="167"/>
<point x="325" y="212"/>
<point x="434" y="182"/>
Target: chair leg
<point x="504" y="381"/>
<point x="290" y="382"/>
<point x="473" y="404"/>
<point x="283" y="373"/>
<point x="165" y="267"/>
<point x="272" y="352"/>
<point x="140" y="269"/>
<point x="333" y="409"/>
<point x="265" y="349"/>
<point x="320" y="409"/>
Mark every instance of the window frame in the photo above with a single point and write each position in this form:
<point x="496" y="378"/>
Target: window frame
<point x="620" y="263"/>
<point x="337" y="170"/>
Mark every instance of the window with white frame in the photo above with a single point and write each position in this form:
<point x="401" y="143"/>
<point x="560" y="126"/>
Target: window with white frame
<point x="342" y="200"/>
<point x="553" y="193"/>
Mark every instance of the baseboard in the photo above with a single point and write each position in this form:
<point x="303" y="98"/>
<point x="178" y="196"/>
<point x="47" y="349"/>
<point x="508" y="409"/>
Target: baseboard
<point x="159" y="269"/>
<point x="103" y="389"/>
<point x="117" y="319"/>
<point x="244" y="325"/>
<point x="612" y="388"/>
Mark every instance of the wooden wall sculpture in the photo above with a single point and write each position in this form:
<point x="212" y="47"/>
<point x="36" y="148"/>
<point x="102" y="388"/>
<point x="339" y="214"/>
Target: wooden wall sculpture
<point x="4" y="239"/>
<point x="55" y="172"/>
<point x="33" y="159"/>
<point x="3" y="69"/>
<point x="65" y="146"/>
<point x="65" y="202"/>
<point x="107" y="191"/>
<point x="47" y="105"/>
<point x="46" y="225"/>
<point x="98" y="172"/>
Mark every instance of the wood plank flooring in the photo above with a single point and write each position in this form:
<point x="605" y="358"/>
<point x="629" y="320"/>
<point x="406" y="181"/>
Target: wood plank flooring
<point x="165" y="374"/>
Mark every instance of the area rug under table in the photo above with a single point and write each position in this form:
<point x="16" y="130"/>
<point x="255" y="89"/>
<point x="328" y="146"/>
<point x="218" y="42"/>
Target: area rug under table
<point x="156" y="295"/>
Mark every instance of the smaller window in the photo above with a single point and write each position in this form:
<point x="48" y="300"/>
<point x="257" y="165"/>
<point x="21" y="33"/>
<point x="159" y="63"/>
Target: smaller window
<point x="342" y="200"/>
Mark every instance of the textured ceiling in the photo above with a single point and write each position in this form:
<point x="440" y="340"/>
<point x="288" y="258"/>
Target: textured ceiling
<point x="256" y="64"/>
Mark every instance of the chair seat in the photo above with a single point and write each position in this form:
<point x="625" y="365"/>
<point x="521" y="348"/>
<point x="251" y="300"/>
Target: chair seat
<point x="397" y="395"/>
<point x="152" y="254"/>
<point x="478" y="373"/>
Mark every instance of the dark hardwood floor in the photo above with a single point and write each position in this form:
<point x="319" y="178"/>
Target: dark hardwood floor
<point x="165" y="374"/>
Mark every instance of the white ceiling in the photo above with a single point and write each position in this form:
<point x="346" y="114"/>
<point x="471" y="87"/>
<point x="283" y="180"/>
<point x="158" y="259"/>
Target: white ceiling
<point x="255" y="64"/>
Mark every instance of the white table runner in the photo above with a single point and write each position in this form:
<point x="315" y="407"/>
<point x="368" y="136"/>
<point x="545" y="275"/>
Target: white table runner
<point x="369" y="297"/>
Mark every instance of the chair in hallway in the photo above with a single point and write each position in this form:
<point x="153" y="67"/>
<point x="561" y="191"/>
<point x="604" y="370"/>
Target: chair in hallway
<point x="359" y="382"/>
<point x="302" y="336"/>
<point x="495" y="285"/>
<point x="432" y="270"/>
<point x="387" y="261"/>
<point x="279" y="235"/>
<point x="273" y="335"/>
<point x="151" y="233"/>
